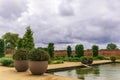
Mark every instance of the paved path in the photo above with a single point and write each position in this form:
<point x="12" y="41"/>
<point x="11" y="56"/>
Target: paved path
<point x="7" y="73"/>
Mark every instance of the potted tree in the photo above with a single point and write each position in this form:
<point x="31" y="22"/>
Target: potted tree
<point x="20" y="60"/>
<point x="38" y="61"/>
<point x="84" y="60"/>
<point x="113" y="58"/>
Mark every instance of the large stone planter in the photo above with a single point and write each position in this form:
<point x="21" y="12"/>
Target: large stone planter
<point x="38" y="67"/>
<point x="21" y="66"/>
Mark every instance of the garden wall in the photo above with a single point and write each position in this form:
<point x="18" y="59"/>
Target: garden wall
<point x="106" y="53"/>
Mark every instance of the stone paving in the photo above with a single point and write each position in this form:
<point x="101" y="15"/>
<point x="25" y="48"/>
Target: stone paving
<point x="7" y="73"/>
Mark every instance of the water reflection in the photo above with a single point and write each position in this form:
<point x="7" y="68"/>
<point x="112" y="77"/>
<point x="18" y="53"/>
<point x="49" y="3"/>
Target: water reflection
<point x="101" y="72"/>
<point x="81" y="72"/>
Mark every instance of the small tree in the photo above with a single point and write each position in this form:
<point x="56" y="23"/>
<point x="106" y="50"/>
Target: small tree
<point x="95" y="50"/>
<point x="20" y="43"/>
<point x="28" y="41"/>
<point x="69" y="51"/>
<point x="111" y="46"/>
<point x="79" y="50"/>
<point x="2" y="48"/>
<point x="51" y="49"/>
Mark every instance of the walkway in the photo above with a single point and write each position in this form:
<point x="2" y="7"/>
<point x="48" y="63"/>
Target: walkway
<point x="7" y="73"/>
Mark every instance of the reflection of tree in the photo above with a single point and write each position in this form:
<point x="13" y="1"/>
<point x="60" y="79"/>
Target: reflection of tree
<point x="96" y="70"/>
<point x="81" y="72"/>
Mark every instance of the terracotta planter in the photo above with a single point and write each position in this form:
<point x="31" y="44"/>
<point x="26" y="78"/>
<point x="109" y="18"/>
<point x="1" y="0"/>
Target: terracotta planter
<point x="38" y="67"/>
<point x="21" y="66"/>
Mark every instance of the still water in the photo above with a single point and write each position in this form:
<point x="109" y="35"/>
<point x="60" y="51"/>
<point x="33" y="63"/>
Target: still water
<point x="100" y="72"/>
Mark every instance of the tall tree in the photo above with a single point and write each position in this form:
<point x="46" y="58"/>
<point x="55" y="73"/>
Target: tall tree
<point x="20" y="43"/>
<point x="51" y="49"/>
<point x="111" y="46"/>
<point x="95" y="49"/>
<point x="28" y="40"/>
<point x="2" y="48"/>
<point x="10" y="40"/>
<point x="69" y="51"/>
<point x="79" y="50"/>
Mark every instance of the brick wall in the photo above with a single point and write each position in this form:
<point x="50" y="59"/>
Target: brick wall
<point x="106" y="53"/>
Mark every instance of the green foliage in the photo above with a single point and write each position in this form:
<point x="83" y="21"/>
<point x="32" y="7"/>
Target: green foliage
<point x="28" y="41"/>
<point x="2" y="48"/>
<point x="79" y="50"/>
<point x="86" y="60"/>
<point x="69" y="51"/>
<point x="95" y="50"/>
<point x="73" y="59"/>
<point x="20" y="54"/>
<point x="113" y="58"/>
<point x="20" y="43"/>
<point x="10" y="40"/>
<point x="7" y="62"/>
<point x="100" y="58"/>
<point x="111" y="46"/>
<point x="51" y="49"/>
<point x="58" y="58"/>
<point x="38" y="55"/>
<point x="43" y="48"/>
<point x="56" y="61"/>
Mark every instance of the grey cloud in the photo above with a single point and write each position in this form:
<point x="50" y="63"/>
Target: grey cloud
<point x="65" y="9"/>
<point x="64" y="23"/>
<point x="12" y="9"/>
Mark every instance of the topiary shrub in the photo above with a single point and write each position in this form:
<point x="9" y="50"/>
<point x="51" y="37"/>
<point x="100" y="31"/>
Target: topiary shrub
<point x="7" y="62"/>
<point x="69" y="51"/>
<point x="113" y="58"/>
<point x="95" y="49"/>
<point x="20" y="54"/>
<point x="38" y="55"/>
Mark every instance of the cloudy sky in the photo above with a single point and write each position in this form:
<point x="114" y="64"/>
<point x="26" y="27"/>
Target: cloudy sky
<point x="64" y="22"/>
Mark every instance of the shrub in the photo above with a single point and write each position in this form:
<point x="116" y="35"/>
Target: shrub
<point x="38" y="55"/>
<point x="20" y="54"/>
<point x="83" y="60"/>
<point x="100" y="58"/>
<point x="95" y="50"/>
<point x="113" y="58"/>
<point x="69" y="51"/>
<point x="51" y="49"/>
<point x="73" y="59"/>
<point x="2" y="48"/>
<point x="79" y="50"/>
<point x="86" y="60"/>
<point x="7" y="62"/>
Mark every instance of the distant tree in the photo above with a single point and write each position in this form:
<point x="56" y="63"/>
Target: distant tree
<point x="10" y="40"/>
<point x="95" y="49"/>
<point x="28" y="40"/>
<point x="43" y="48"/>
<point x="51" y="49"/>
<point x="79" y="50"/>
<point x="69" y="51"/>
<point x="111" y="46"/>
<point x="20" y="43"/>
<point x="1" y="48"/>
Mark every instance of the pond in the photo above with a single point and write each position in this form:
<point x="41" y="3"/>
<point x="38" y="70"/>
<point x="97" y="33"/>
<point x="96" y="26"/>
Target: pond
<point x="98" y="72"/>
